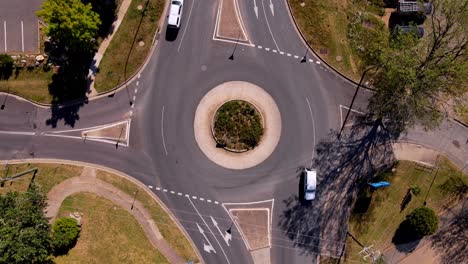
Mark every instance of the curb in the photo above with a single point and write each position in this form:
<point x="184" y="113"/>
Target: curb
<point x="119" y="87"/>
<point x="291" y="16"/>
<point x="120" y="174"/>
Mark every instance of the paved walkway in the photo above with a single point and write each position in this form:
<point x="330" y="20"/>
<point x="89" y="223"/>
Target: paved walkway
<point x="105" y="43"/>
<point x="87" y="182"/>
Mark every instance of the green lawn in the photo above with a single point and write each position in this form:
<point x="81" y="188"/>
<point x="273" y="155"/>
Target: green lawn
<point x="324" y="25"/>
<point x="48" y="175"/>
<point x="109" y="234"/>
<point x="124" y="55"/>
<point x="167" y="227"/>
<point x="378" y="224"/>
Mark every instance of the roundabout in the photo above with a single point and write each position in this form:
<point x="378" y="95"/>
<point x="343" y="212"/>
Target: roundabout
<point x="205" y="118"/>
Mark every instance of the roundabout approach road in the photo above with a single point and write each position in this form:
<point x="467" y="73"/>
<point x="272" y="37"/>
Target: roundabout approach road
<point x="163" y="153"/>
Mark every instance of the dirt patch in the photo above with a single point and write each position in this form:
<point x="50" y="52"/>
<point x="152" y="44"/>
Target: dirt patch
<point x="388" y="13"/>
<point x="229" y="22"/>
<point x="254" y="225"/>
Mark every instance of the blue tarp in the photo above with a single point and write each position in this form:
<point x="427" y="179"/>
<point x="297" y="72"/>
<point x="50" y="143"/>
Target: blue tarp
<point x="379" y="184"/>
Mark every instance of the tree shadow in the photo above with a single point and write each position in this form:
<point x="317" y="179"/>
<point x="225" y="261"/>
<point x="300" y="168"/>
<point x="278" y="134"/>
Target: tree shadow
<point x="69" y="84"/>
<point x="451" y="241"/>
<point x="404" y="239"/>
<point x="106" y="10"/>
<point x="344" y="167"/>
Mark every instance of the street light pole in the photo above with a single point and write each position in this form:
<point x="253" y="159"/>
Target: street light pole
<point x="134" y="198"/>
<point x="352" y="101"/>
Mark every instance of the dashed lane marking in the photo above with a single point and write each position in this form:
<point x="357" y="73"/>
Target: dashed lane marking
<point x="181" y="194"/>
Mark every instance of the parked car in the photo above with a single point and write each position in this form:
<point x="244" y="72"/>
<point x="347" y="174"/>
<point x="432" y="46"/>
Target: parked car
<point x="175" y="13"/>
<point x="310" y="184"/>
<point x="405" y="29"/>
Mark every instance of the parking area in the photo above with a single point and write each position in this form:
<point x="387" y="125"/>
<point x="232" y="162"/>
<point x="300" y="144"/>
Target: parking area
<point x="19" y="32"/>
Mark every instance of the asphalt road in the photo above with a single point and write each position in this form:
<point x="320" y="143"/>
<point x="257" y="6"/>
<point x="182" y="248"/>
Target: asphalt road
<point x="163" y="152"/>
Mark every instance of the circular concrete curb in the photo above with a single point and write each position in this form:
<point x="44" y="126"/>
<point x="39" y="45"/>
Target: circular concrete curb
<point x="237" y="90"/>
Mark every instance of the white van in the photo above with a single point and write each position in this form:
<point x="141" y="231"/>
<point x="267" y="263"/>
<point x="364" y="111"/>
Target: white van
<point x="310" y="184"/>
<point x="175" y="13"/>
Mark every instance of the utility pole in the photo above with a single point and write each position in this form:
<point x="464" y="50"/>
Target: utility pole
<point x="134" y="198"/>
<point x="352" y="101"/>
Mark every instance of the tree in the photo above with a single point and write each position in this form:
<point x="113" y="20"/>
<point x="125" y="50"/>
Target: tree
<point x="419" y="79"/>
<point x="422" y="222"/>
<point x="24" y="229"/>
<point x="6" y="66"/>
<point x="65" y="234"/>
<point x="70" y="23"/>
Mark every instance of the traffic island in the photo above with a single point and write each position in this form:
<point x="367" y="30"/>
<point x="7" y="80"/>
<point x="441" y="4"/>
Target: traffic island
<point x="267" y="110"/>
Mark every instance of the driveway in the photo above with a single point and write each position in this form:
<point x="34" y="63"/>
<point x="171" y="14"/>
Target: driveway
<point x="19" y="32"/>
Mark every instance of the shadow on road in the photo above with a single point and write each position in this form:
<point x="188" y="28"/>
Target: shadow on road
<point x="171" y="33"/>
<point x="344" y="167"/>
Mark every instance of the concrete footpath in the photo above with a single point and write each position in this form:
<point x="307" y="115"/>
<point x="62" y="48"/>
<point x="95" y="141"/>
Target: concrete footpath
<point x="87" y="182"/>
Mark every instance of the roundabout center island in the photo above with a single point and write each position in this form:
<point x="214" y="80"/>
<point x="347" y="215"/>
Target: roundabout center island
<point x="237" y="125"/>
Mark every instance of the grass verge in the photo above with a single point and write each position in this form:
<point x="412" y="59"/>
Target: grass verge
<point x="376" y="216"/>
<point x="324" y="25"/>
<point x="48" y="175"/>
<point x="109" y="234"/>
<point x="124" y="55"/>
<point x="167" y="227"/>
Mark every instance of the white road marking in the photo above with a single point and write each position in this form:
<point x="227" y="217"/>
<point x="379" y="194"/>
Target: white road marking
<point x="255" y="8"/>
<point x="185" y="28"/>
<point x="313" y="124"/>
<point x="274" y="51"/>
<point x="22" y="36"/>
<point x="296" y="57"/>
<point x="216" y="202"/>
<point x="188" y="196"/>
<point x="133" y="106"/>
<point x="131" y="112"/>
<point x="194" y="197"/>
<point x="157" y="188"/>
<point x="289" y="54"/>
<point x="202" y="199"/>
<point x="272" y="8"/>
<point x="137" y="83"/>
<point x="139" y="75"/>
<point x="311" y="60"/>
<point x="18" y="133"/>
<point x="134" y="97"/>
<point x="172" y="192"/>
<point x="208" y="200"/>
<point x="180" y="194"/>
<point x="282" y="53"/>
<point x="207" y="226"/>
<point x="164" y="190"/>
<point x="207" y="248"/>
<point x="4" y="34"/>
<point x="269" y="28"/>
<point x="136" y="89"/>
<point x="150" y="186"/>
<point x="260" y="47"/>
<point x="267" y="49"/>
<point x="226" y="236"/>
<point x="318" y="62"/>
<point x="162" y="130"/>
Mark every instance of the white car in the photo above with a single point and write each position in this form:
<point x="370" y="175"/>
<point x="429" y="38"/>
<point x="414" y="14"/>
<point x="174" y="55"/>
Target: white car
<point x="175" y="13"/>
<point x="310" y="184"/>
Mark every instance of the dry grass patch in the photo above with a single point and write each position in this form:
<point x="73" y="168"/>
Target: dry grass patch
<point x="166" y="225"/>
<point x="109" y="233"/>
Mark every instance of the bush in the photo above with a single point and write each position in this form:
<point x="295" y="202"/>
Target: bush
<point x="416" y="190"/>
<point x="418" y="224"/>
<point x="65" y="234"/>
<point x="6" y="66"/>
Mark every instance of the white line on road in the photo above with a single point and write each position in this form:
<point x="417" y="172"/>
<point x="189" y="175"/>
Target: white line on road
<point x="318" y="62"/>
<point x="4" y="34"/>
<point x="164" y="190"/>
<point x="162" y="130"/>
<point x="157" y="188"/>
<point x="134" y="97"/>
<point x="289" y="54"/>
<point x="313" y="124"/>
<point x="136" y="89"/>
<point x="296" y="57"/>
<point x="180" y="194"/>
<point x="282" y="53"/>
<point x="137" y="83"/>
<point x="274" y="51"/>
<point x="269" y="28"/>
<point x="172" y="192"/>
<point x="267" y="49"/>
<point x="260" y="47"/>
<point x="22" y="36"/>
<point x="311" y="60"/>
<point x="194" y="197"/>
<point x="207" y="226"/>
<point x="186" y="26"/>
<point x="216" y="202"/>
<point x="208" y="200"/>
<point x="18" y="133"/>
<point x="150" y="186"/>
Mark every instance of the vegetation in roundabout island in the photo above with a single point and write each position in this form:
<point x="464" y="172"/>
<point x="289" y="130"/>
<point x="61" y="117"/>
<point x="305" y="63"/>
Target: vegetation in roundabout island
<point x="238" y="126"/>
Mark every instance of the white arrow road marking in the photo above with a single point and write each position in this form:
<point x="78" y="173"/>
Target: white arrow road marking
<point x="208" y="248"/>
<point x="272" y="8"/>
<point x="256" y="9"/>
<point x="226" y="236"/>
<point x="209" y="229"/>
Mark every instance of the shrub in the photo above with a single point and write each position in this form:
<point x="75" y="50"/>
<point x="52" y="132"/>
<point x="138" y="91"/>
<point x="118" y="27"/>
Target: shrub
<point x="422" y="222"/>
<point x="416" y="190"/>
<point x="6" y="66"/>
<point x="65" y="234"/>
